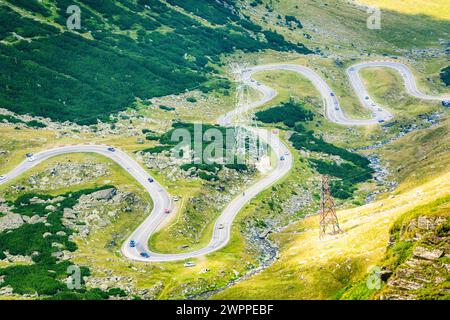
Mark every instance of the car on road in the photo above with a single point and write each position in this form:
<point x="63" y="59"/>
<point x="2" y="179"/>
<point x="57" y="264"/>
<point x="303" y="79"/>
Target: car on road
<point x="132" y="244"/>
<point x="111" y="149"/>
<point x="286" y="153"/>
<point x="381" y="120"/>
<point x="332" y="94"/>
<point x="336" y="108"/>
<point x="30" y="157"/>
<point x="150" y="180"/>
<point x="2" y="178"/>
<point x="166" y="210"/>
<point x="366" y="97"/>
<point x="282" y="158"/>
<point x="145" y="255"/>
<point x="189" y="264"/>
<point x="221" y="226"/>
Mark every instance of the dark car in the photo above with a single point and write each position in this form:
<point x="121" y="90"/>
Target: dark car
<point x="132" y="244"/>
<point x="150" y="180"/>
<point x="111" y="149"/>
<point x="145" y="255"/>
<point x="332" y="94"/>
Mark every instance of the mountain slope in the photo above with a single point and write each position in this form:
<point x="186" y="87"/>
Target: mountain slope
<point x="338" y="267"/>
<point x="125" y="50"/>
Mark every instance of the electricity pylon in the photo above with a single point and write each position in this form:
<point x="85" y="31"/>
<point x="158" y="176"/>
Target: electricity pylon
<point x="327" y="216"/>
<point x="248" y="144"/>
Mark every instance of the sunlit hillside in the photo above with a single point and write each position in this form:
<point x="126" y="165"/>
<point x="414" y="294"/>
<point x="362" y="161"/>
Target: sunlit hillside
<point x="439" y="9"/>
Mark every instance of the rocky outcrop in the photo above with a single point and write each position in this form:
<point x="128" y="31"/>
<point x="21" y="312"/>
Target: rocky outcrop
<point x="11" y="221"/>
<point x="428" y="254"/>
<point x="423" y="273"/>
<point x="99" y="209"/>
<point x="106" y="194"/>
<point x="62" y="174"/>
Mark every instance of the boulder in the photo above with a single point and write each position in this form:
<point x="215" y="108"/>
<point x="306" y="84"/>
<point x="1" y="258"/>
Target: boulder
<point x="69" y="213"/>
<point x="427" y="254"/>
<point x="106" y="194"/>
<point x="50" y="208"/>
<point x="36" y="200"/>
<point x="6" y="291"/>
<point x="36" y="219"/>
<point x="11" y="221"/>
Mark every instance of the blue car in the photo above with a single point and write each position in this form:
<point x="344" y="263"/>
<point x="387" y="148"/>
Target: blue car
<point x="150" y="180"/>
<point x="145" y="255"/>
<point x="282" y="158"/>
<point x="111" y="149"/>
<point x="132" y="244"/>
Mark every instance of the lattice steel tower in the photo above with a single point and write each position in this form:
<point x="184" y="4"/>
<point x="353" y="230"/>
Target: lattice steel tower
<point x="328" y="218"/>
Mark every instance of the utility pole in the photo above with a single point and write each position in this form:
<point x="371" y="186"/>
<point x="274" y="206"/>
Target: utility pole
<point x="327" y="216"/>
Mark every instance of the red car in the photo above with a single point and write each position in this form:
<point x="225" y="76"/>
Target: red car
<point x="166" y="210"/>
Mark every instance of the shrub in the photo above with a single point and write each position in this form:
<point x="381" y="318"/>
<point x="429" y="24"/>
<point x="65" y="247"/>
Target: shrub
<point x="288" y="113"/>
<point x="166" y="108"/>
<point x="445" y="75"/>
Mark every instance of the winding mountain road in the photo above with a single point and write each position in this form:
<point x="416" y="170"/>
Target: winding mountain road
<point x="222" y="228"/>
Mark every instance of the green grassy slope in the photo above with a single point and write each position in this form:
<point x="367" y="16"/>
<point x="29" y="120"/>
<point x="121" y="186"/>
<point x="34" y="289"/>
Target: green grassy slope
<point x="124" y="50"/>
<point x="337" y="24"/>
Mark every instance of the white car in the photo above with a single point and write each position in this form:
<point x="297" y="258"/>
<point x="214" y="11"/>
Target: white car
<point x="2" y="178"/>
<point x="189" y="264"/>
<point x="221" y="226"/>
